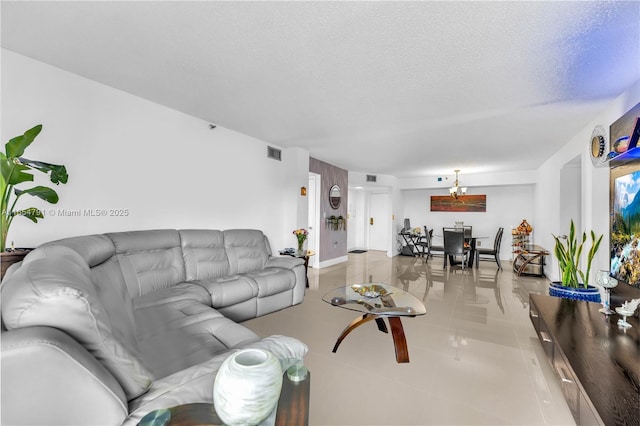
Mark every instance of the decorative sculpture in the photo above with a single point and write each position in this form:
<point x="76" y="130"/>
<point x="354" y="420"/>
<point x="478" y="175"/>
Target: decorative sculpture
<point x="626" y="310"/>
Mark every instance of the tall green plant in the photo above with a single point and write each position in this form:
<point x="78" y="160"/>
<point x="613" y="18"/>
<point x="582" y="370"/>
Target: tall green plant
<point x="568" y="256"/>
<point x="15" y="170"/>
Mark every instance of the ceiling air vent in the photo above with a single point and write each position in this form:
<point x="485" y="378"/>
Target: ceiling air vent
<point x="371" y="178"/>
<point x="274" y="153"/>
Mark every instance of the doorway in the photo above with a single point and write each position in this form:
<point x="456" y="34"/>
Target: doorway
<point x="379" y="222"/>
<point x="570" y="196"/>
<point x="313" y="239"/>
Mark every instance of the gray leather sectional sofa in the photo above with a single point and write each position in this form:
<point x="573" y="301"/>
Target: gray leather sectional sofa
<point x="103" y="329"/>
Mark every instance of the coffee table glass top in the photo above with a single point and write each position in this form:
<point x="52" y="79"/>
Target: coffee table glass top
<point x="379" y="299"/>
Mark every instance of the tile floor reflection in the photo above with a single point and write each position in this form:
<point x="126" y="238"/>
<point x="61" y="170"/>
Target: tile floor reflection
<point x="474" y="357"/>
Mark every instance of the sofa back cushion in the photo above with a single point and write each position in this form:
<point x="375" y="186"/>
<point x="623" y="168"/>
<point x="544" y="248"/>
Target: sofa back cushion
<point x="204" y="254"/>
<point x="247" y="250"/>
<point x="98" y="252"/>
<point x="55" y="287"/>
<point x="150" y="260"/>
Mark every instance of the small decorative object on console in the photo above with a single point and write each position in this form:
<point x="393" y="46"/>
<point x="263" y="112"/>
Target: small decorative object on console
<point x="607" y="282"/>
<point x="524" y="227"/>
<point x="626" y="310"/>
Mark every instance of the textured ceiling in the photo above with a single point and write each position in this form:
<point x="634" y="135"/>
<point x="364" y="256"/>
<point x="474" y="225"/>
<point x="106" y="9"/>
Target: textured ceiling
<point x="400" y="88"/>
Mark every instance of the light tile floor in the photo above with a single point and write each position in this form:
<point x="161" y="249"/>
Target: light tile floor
<point x="475" y="357"/>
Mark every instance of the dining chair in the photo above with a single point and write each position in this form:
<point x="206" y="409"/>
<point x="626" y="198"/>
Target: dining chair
<point x="454" y="246"/>
<point x="468" y="231"/>
<point x="432" y="247"/>
<point x="426" y="244"/>
<point x="494" y="253"/>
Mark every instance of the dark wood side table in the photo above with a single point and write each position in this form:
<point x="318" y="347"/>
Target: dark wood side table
<point x="293" y="409"/>
<point x="305" y="255"/>
<point x="596" y="362"/>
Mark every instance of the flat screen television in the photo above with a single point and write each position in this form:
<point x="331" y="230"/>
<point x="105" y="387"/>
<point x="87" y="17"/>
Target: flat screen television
<point x="625" y="224"/>
<point x="625" y="198"/>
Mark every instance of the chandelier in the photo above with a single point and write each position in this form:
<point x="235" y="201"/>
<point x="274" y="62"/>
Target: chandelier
<point x="456" y="191"/>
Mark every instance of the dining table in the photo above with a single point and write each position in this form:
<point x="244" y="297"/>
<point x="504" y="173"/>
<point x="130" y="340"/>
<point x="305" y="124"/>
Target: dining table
<point x="472" y="241"/>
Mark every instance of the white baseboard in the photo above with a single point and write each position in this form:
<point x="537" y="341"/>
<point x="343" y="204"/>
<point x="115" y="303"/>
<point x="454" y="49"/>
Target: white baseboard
<point x="334" y="261"/>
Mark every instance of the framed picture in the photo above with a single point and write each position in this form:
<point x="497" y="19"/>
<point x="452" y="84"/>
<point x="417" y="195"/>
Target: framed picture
<point x="464" y="203"/>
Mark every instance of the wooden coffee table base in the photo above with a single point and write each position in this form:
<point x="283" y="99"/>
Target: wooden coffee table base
<point x="397" y="332"/>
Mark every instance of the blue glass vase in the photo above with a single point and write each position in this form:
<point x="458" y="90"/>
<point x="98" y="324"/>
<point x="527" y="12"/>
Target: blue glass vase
<point x="589" y="294"/>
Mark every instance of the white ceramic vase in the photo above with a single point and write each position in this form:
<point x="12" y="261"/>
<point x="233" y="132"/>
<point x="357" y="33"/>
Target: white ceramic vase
<point x="247" y="387"/>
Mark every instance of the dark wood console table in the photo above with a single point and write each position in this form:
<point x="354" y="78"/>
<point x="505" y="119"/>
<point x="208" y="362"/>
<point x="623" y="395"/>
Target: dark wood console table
<point x="597" y="363"/>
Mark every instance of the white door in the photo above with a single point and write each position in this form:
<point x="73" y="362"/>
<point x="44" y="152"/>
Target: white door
<point x="379" y="222"/>
<point x="313" y="240"/>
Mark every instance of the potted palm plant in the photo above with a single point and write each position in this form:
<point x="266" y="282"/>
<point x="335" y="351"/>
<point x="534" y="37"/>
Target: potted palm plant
<point x="17" y="170"/>
<point x="574" y="282"/>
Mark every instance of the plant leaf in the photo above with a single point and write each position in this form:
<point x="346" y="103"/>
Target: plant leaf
<point x="42" y="192"/>
<point x="14" y="174"/>
<point x="16" y="146"/>
<point x="58" y="173"/>
<point x="32" y="213"/>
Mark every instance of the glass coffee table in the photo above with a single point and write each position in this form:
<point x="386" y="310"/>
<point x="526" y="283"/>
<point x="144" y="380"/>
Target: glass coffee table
<point x="377" y="302"/>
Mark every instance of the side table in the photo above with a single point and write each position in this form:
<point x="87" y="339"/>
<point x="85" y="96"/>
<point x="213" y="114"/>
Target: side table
<point x="292" y="409"/>
<point x="304" y="254"/>
<point x="530" y="260"/>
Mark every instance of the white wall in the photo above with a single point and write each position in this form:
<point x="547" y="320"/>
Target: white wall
<point x="167" y="169"/>
<point x="507" y="206"/>
<point x="595" y="186"/>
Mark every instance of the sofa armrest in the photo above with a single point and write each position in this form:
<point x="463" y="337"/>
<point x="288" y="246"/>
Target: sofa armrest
<point x="49" y="378"/>
<point x="286" y="262"/>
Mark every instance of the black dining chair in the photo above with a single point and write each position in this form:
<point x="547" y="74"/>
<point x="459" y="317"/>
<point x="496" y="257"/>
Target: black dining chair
<point x="468" y="231"/>
<point x="432" y="247"/>
<point x="454" y="245"/>
<point x="426" y="244"/>
<point x="494" y="253"/>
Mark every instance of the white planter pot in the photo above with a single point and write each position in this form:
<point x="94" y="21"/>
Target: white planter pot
<point x="247" y="387"/>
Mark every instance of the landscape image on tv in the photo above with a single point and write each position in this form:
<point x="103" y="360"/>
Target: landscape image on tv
<point x="625" y="229"/>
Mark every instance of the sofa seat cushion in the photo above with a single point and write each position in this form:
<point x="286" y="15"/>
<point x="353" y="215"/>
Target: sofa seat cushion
<point x="182" y="333"/>
<point x="271" y="281"/>
<point x="229" y="290"/>
<point x="181" y="291"/>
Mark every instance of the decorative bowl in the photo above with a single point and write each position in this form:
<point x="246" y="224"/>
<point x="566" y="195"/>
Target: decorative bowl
<point x="371" y="291"/>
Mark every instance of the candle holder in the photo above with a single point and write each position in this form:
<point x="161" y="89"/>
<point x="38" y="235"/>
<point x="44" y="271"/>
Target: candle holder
<point x="607" y="282"/>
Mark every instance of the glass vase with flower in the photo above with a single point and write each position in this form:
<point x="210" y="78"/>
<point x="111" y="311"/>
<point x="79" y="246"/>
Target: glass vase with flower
<point x="301" y="235"/>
